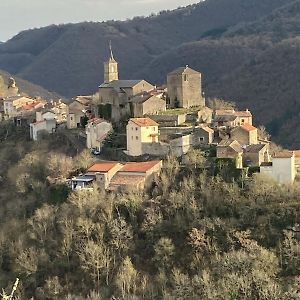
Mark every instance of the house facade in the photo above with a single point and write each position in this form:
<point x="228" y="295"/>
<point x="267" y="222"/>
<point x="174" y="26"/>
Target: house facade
<point x="245" y="134"/>
<point x="96" y="132"/>
<point x="203" y="135"/>
<point x="139" y="131"/>
<point x="282" y="169"/>
<point x="185" y="88"/>
<point x="146" y="104"/>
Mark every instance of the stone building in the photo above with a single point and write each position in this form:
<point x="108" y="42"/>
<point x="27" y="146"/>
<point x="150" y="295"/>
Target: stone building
<point x="203" y="135"/>
<point x="245" y="134"/>
<point x="185" y="88"/>
<point x="76" y="113"/>
<point x="255" y="155"/>
<point x="114" y="94"/>
<point x="97" y="131"/>
<point x="146" y="103"/>
<point x="139" y="132"/>
<point x="231" y="149"/>
<point x="282" y="169"/>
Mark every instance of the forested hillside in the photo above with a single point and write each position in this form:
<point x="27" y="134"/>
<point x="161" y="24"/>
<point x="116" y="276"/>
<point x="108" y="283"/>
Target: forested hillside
<point x="192" y="236"/>
<point x="247" y="51"/>
<point x="68" y="58"/>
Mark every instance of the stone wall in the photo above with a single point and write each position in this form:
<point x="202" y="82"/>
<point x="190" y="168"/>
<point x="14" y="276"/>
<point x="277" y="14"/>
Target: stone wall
<point x="156" y="149"/>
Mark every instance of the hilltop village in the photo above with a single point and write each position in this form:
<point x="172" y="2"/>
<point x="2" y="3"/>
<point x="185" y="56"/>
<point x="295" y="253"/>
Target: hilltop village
<point x="131" y="126"/>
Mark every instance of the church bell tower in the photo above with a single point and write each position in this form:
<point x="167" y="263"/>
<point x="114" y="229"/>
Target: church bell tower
<point x="111" y="68"/>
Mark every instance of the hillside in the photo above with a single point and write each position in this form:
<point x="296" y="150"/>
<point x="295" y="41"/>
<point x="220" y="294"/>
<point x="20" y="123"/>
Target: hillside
<point x="246" y="50"/>
<point x="68" y="58"/>
<point x="28" y="88"/>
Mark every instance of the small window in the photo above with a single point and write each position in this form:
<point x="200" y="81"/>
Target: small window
<point x="153" y="128"/>
<point x="201" y="139"/>
<point x="132" y="137"/>
<point x="71" y="118"/>
<point x="136" y="128"/>
<point x="147" y="127"/>
<point x="131" y="128"/>
<point x="136" y="137"/>
<point x="185" y="78"/>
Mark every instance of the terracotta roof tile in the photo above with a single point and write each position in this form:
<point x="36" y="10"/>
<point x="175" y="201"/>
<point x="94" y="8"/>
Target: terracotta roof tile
<point x="248" y="127"/>
<point x="284" y="154"/>
<point x="140" y="166"/>
<point x="245" y="113"/>
<point x="297" y="153"/>
<point x="142" y="122"/>
<point x="102" y="166"/>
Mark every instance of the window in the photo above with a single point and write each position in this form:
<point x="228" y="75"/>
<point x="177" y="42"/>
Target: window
<point x="131" y="128"/>
<point x="136" y="128"/>
<point x="137" y="138"/>
<point x="132" y="137"/>
<point x="147" y="127"/>
<point x="185" y="78"/>
<point x="153" y="128"/>
<point x="201" y="139"/>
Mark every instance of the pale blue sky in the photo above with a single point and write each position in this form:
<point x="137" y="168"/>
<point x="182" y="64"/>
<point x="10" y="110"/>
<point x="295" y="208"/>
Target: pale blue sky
<point x="17" y="15"/>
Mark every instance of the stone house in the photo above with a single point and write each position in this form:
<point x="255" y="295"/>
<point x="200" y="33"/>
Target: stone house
<point x="96" y="132"/>
<point x="136" y="175"/>
<point x="45" y="115"/>
<point x="232" y="118"/>
<point x="203" y="135"/>
<point x="231" y="149"/>
<point x="181" y="145"/>
<point x="114" y="176"/>
<point x="76" y="112"/>
<point x="184" y="88"/>
<point x="146" y="103"/>
<point x="139" y="131"/>
<point x="255" y="155"/>
<point x="282" y="169"/>
<point x="245" y="134"/>
<point x="37" y="128"/>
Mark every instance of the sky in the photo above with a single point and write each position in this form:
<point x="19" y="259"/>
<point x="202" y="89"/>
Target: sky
<point x="18" y="15"/>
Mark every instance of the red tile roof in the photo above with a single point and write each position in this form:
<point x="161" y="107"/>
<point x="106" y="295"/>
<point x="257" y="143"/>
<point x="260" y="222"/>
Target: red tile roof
<point x="284" y="154"/>
<point x="142" y="122"/>
<point x="248" y="127"/>
<point x="245" y="113"/>
<point x="297" y="153"/>
<point x="140" y="166"/>
<point x="102" y="166"/>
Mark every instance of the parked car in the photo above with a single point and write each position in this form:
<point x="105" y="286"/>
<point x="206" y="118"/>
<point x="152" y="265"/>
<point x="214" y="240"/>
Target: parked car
<point x="95" y="151"/>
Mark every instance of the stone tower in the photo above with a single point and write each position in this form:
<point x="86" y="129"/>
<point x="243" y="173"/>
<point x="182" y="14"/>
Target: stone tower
<point x="111" y="68"/>
<point x="185" y="88"/>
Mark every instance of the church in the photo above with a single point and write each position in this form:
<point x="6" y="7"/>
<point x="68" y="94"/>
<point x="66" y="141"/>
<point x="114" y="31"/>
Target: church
<point x="115" y="94"/>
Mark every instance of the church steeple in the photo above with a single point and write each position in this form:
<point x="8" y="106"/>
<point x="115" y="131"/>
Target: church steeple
<point x="111" y="67"/>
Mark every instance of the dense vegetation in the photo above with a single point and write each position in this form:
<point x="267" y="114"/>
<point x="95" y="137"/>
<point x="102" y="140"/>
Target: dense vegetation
<point x="204" y="237"/>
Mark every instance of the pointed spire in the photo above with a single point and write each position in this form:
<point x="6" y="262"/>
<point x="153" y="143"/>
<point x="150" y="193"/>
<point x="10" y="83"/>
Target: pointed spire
<point x="111" y="52"/>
